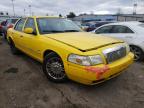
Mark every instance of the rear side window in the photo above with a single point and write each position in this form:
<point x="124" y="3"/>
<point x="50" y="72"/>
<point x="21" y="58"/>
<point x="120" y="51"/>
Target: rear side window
<point x="19" y="25"/>
<point x="121" y="29"/>
<point x="13" y="21"/>
<point x="105" y="29"/>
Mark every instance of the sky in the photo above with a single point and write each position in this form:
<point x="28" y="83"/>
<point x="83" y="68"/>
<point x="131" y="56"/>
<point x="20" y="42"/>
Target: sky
<point x="56" y="7"/>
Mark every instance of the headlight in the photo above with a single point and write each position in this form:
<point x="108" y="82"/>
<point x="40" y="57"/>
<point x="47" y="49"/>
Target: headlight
<point x="85" y="60"/>
<point x="127" y="48"/>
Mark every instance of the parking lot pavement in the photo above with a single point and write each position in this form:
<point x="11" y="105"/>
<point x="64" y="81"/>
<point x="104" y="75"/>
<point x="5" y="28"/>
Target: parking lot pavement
<point x="23" y="85"/>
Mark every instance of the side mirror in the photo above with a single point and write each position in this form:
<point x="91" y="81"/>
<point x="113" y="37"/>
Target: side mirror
<point x="29" y="30"/>
<point x="10" y="26"/>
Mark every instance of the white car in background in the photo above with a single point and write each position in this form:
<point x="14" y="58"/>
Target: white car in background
<point x="130" y="32"/>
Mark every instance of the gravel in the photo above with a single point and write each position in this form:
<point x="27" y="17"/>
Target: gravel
<point x="23" y="85"/>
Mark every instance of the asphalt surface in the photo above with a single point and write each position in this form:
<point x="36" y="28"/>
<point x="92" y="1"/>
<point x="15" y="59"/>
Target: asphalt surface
<point x="23" y="85"/>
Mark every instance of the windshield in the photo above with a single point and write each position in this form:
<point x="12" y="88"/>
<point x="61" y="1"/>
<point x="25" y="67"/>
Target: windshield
<point x="56" y="25"/>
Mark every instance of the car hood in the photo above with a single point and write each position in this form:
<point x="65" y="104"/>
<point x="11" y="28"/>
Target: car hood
<point x="82" y="40"/>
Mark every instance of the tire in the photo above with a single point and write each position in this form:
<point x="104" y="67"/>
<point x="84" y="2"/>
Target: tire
<point x="53" y="68"/>
<point x="5" y="35"/>
<point x="14" y="50"/>
<point x="138" y="52"/>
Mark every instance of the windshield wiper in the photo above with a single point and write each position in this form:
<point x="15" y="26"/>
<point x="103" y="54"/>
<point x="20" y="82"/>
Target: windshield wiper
<point x="71" y="31"/>
<point x="56" y="31"/>
<point x="52" y="31"/>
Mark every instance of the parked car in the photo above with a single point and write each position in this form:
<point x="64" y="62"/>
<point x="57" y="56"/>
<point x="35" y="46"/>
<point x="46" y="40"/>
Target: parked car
<point x="130" y="32"/>
<point x="85" y="25"/>
<point x="1" y="24"/>
<point x="78" y="23"/>
<point x="142" y="21"/>
<point x="9" y="23"/>
<point x="68" y="52"/>
<point x="96" y="25"/>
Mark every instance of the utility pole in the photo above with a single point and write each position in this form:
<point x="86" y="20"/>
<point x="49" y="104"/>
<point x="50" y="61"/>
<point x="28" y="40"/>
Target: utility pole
<point x="30" y="10"/>
<point x="135" y="9"/>
<point x="13" y="7"/>
<point x="24" y="12"/>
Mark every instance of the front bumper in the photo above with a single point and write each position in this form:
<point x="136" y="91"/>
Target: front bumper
<point x="100" y="73"/>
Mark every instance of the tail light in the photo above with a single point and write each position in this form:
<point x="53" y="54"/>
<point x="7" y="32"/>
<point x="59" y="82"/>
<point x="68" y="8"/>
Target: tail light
<point x="10" y="26"/>
<point x="0" y="26"/>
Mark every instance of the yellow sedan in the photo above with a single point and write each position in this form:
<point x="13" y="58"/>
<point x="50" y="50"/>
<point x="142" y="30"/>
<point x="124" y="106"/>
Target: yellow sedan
<point x="67" y="52"/>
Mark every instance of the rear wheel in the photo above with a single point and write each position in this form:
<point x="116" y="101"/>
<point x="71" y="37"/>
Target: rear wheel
<point x="139" y="54"/>
<point x="5" y="35"/>
<point x="14" y="50"/>
<point x="53" y="68"/>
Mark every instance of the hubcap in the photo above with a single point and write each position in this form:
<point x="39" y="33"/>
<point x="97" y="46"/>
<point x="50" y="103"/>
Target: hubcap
<point x="136" y="52"/>
<point x="55" y="68"/>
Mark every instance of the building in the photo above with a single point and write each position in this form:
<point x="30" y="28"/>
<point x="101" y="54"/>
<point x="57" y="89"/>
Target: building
<point x="109" y="17"/>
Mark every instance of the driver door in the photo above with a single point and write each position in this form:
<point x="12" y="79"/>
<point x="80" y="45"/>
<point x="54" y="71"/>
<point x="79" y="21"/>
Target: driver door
<point x="31" y="41"/>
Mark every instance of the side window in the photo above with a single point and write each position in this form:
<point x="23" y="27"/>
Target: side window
<point x="14" y="21"/>
<point x="30" y="23"/>
<point x="121" y="29"/>
<point x="19" y="25"/>
<point x="128" y="30"/>
<point x="105" y="29"/>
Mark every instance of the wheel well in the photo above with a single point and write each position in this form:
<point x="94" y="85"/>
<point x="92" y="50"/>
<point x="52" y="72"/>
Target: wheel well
<point x="134" y="46"/>
<point x="49" y="51"/>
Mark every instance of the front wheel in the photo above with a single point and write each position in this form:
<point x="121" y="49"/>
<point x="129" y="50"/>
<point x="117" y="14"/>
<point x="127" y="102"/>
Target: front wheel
<point x="5" y="35"/>
<point x="53" y="68"/>
<point x="139" y="54"/>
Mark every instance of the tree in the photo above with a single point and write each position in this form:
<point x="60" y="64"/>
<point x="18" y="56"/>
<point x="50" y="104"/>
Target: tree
<point x="47" y="14"/>
<point x="60" y="15"/>
<point x="1" y="13"/>
<point x="71" y="15"/>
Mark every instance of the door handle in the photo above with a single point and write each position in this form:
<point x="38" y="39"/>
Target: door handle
<point x="21" y="35"/>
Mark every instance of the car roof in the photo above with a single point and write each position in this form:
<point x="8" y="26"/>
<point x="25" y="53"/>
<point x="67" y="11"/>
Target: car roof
<point x="43" y="17"/>
<point x="128" y="23"/>
<point x="12" y="18"/>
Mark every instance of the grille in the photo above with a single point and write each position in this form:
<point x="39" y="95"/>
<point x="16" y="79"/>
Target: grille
<point x="115" y="54"/>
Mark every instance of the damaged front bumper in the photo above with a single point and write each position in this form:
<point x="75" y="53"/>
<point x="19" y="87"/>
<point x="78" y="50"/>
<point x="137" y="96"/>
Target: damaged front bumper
<point x="91" y="75"/>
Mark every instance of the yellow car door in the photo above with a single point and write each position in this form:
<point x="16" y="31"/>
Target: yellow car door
<point x="31" y="41"/>
<point x="17" y="33"/>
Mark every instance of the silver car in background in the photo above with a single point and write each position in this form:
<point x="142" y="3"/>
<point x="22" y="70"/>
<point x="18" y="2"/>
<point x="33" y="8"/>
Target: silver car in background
<point x="131" y="32"/>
